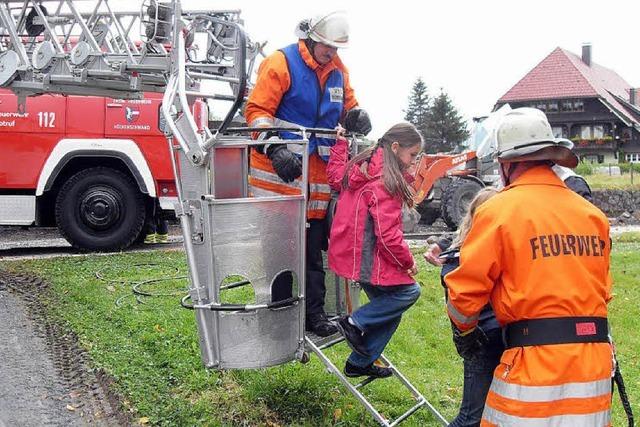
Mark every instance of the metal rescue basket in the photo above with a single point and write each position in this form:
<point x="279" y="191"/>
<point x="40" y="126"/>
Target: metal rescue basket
<point x="251" y="240"/>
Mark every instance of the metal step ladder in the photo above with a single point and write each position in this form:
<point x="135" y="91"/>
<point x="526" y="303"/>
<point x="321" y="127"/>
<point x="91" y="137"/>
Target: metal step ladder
<point x="343" y="297"/>
<point x="318" y="346"/>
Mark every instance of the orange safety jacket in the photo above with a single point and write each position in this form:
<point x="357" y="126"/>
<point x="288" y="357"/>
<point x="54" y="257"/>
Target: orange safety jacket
<point x="538" y="250"/>
<point x="272" y="83"/>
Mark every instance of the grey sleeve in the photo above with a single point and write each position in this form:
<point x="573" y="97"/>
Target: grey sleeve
<point x="580" y="186"/>
<point x="444" y="243"/>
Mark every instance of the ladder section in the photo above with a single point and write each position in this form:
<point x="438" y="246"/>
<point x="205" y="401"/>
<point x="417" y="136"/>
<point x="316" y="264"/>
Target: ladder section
<point x="88" y="48"/>
<point x="318" y="347"/>
<point x="79" y="47"/>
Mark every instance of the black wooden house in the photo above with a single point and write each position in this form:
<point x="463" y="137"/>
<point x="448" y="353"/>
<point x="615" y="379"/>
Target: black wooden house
<point x="585" y="102"/>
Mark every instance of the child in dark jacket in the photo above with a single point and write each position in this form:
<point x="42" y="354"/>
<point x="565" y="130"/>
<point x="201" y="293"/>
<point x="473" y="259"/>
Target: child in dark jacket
<point x="366" y="242"/>
<point x="480" y="363"/>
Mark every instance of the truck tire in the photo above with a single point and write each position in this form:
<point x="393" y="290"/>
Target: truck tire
<point x="456" y="198"/>
<point x="100" y="209"/>
<point x="428" y="215"/>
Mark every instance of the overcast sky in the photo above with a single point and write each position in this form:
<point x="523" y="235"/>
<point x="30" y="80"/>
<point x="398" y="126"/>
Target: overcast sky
<point x="474" y="50"/>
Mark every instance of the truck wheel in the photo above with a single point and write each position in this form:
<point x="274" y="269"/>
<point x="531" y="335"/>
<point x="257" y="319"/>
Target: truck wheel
<point x="100" y="209"/>
<point x="428" y="215"/>
<point x="456" y="198"/>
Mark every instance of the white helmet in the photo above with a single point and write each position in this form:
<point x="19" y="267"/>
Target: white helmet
<point x="331" y="29"/>
<point x="525" y="134"/>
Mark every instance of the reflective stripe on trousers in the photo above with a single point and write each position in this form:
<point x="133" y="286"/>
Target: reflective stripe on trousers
<point x="565" y="404"/>
<point x="263" y="181"/>
<point x="495" y="417"/>
<point x="316" y="207"/>
<point x="261" y="192"/>
<point x="527" y="393"/>
<point x="274" y="179"/>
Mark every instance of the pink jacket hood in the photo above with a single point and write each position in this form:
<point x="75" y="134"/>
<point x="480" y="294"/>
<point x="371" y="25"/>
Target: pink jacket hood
<point x="366" y="241"/>
<point x="358" y="178"/>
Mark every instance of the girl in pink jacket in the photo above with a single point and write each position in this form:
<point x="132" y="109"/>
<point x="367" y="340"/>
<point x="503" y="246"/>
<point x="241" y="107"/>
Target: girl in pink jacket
<point x="366" y="242"/>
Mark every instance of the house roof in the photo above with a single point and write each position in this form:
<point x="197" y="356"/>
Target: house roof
<point x="562" y="74"/>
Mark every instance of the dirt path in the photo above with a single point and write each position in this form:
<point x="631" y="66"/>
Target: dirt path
<point x="45" y="379"/>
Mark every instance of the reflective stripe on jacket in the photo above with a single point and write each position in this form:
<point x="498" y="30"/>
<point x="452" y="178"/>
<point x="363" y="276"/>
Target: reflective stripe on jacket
<point x="538" y="250"/>
<point x="263" y="181"/>
<point x="366" y="242"/>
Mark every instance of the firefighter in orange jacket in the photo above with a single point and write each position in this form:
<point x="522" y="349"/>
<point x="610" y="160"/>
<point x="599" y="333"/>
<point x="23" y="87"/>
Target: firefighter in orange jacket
<point x="540" y="254"/>
<point x="304" y="84"/>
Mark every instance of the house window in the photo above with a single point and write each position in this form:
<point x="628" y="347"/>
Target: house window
<point x="558" y="132"/>
<point x="591" y="158"/>
<point x="598" y="131"/>
<point x="567" y="106"/>
<point x="578" y="105"/>
<point x="552" y="107"/>
<point x="632" y="157"/>
<point x="541" y="106"/>
<point x="594" y="132"/>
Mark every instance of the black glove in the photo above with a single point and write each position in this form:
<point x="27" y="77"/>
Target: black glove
<point x="287" y="165"/>
<point x="471" y="345"/>
<point x="357" y="121"/>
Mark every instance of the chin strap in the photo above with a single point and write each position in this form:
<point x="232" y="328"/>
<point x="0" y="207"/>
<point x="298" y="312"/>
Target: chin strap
<point x="507" y="174"/>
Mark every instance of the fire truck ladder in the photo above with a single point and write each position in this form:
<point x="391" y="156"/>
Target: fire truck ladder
<point x="85" y="47"/>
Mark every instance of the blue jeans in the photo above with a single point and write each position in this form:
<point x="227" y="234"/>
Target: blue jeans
<point x="380" y="318"/>
<point x="478" y="374"/>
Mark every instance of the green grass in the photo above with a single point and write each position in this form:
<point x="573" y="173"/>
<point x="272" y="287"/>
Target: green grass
<point x="627" y="237"/>
<point x="151" y="349"/>
<point x="609" y="182"/>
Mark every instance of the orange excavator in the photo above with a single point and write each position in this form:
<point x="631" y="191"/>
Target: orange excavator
<point x="446" y="183"/>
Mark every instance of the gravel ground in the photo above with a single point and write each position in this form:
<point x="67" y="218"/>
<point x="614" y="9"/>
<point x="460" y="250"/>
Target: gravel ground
<point x="45" y="242"/>
<point x="45" y="379"/>
<point x="30" y="392"/>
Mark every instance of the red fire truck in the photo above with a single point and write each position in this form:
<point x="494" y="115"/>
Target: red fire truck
<point x="94" y="167"/>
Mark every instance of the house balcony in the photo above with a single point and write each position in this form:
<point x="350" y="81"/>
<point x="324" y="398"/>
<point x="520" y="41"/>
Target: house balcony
<point x="604" y="143"/>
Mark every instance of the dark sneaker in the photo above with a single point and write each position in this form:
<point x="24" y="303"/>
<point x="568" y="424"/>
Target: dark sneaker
<point x="320" y="325"/>
<point x="352" y="335"/>
<point x="372" y="370"/>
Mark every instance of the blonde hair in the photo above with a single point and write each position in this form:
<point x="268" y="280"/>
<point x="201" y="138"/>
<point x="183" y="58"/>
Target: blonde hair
<point x="406" y="135"/>
<point x="465" y="225"/>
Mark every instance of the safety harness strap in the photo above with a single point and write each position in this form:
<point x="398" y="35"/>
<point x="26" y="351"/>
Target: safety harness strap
<point x="558" y="330"/>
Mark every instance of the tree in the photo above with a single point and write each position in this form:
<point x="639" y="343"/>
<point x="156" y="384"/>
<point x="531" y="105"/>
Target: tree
<point x="418" y="109"/>
<point x="445" y="128"/>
